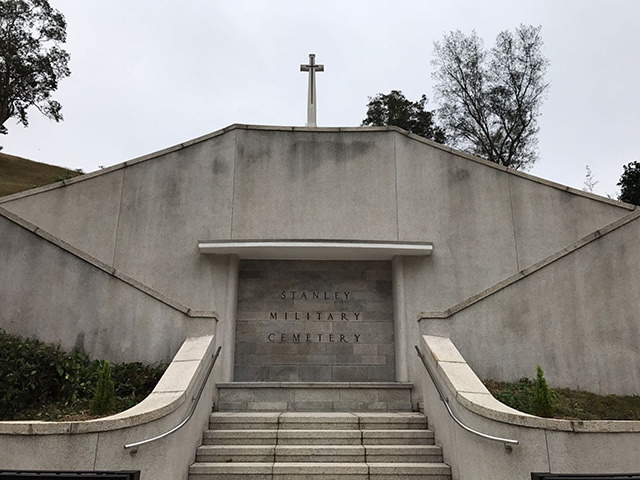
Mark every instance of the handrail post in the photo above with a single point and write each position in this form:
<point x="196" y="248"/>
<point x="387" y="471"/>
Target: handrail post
<point x="133" y="447"/>
<point x="508" y="443"/>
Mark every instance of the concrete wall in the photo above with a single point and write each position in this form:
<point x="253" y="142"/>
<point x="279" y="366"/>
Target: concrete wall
<point x="464" y="208"/>
<point x="83" y="214"/>
<point x="52" y="294"/>
<point x="145" y="217"/>
<point x="170" y="203"/>
<point x="576" y="316"/>
<point x="548" y="219"/>
<point x="545" y="445"/>
<point x="485" y="223"/>
<point x="307" y="185"/>
<point x="99" y="444"/>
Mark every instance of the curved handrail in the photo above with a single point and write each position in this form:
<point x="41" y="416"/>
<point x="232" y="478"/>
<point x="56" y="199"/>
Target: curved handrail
<point x="506" y="441"/>
<point x="194" y="404"/>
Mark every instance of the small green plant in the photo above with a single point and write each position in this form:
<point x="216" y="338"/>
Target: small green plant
<point x="104" y="400"/>
<point x="542" y="398"/>
<point x="517" y="395"/>
<point x="69" y="174"/>
<point x="568" y="404"/>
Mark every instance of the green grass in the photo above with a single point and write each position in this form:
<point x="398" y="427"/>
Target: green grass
<point x="18" y="174"/>
<point x="568" y="404"/>
<point x="40" y="381"/>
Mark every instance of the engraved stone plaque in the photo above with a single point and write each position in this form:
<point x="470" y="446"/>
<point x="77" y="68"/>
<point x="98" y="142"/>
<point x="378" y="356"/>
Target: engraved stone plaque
<point x="320" y="321"/>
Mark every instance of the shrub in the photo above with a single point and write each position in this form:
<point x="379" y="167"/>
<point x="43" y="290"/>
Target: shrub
<point x="134" y="381"/>
<point x="35" y="372"/>
<point x="104" y="400"/>
<point x="517" y="395"/>
<point x="40" y="380"/>
<point x="542" y="399"/>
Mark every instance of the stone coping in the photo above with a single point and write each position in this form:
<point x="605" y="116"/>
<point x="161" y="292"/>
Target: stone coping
<point x="179" y="383"/>
<point x="109" y="270"/>
<point x="459" y="381"/>
<point x="315" y="249"/>
<point x="403" y="385"/>
<point x="584" y="241"/>
<point x="239" y="126"/>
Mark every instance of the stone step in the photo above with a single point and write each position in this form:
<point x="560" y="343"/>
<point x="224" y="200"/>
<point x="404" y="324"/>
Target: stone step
<point x="318" y="471"/>
<point x="282" y="453"/>
<point x="314" y="396"/>
<point x="240" y="437"/>
<point x="317" y="421"/>
<point x="243" y="421"/>
<point x="406" y="471"/>
<point x="318" y="437"/>
<point x="318" y="446"/>
<point x="392" y="421"/>
<point x="320" y="453"/>
<point x="228" y="471"/>
<point x="235" y="453"/>
<point x="397" y="437"/>
<point x="402" y="454"/>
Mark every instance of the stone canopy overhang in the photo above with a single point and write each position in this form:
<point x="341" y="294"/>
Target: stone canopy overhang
<point x="315" y="249"/>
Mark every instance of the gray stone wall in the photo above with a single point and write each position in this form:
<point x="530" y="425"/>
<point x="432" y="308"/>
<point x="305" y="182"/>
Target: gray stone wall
<point x="577" y="317"/>
<point x="314" y="321"/>
<point x="145" y="217"/>
<point x="49" y="293"/>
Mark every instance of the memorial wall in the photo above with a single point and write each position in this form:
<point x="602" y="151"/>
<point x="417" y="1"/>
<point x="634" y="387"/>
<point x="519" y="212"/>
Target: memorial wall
<point x="314" y="321"/>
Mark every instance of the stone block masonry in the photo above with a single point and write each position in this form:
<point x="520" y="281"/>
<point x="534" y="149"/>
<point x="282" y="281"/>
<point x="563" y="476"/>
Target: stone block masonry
<point x="319" y="321"/>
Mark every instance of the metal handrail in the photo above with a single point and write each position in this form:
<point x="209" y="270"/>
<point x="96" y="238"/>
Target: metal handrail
<point x="194" y="404"/>
<point x="506" y="441"/>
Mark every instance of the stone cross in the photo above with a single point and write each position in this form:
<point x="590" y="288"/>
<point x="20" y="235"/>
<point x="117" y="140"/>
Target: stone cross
<point x="312" y="68"/>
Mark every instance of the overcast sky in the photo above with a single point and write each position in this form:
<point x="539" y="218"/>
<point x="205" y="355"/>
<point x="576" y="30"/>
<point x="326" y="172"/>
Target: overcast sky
<point x="149" y="74"/>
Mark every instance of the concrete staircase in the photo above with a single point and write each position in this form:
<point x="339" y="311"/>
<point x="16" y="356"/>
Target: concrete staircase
<point x="276" y="445"/>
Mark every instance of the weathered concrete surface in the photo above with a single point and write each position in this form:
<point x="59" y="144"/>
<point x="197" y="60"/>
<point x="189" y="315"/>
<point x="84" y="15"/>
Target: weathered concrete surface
<point x="99" y="444"/>
<point x="146" y="216"/>
<point x="308" y="185"/>
<point x="464" y="208"/>
<point x="548" y="219"/>
<point x="545" y="445"/>
<point x="315" y="397"/>
<point x="577" y="317"/>
<point x="83" y="214"/>
<point x="50" y="294"/>
<point x="170" y="203"/>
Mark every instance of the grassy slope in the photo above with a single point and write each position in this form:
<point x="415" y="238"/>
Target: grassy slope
<point x="18" y="174"/>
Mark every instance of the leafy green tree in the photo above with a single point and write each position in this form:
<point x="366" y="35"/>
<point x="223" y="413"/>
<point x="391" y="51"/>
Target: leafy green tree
<point x="630" y="183"/>
<point x="31" y="59"/>
<point x="395" y="109"/>
<point x="490" y="100"/>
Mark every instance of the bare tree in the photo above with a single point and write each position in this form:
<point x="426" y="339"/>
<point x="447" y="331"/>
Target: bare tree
<point x="590" y="181"/>
<point x="490" y="100"/>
